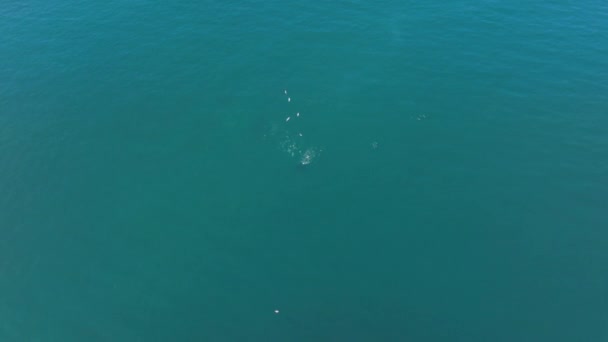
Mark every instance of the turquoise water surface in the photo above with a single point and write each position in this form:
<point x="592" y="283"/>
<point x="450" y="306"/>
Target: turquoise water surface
<point x="445" y="180"/>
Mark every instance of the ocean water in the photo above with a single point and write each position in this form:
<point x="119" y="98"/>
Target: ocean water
<point x="446" y="179"/>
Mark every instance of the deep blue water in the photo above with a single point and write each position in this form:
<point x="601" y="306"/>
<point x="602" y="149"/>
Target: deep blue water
<point x="455" y="186"/>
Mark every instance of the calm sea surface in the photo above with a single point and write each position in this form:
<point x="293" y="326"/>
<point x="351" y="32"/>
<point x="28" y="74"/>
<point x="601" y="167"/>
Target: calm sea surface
<point x="446" y="178"/>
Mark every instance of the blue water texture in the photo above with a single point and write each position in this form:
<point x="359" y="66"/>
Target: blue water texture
<point x="375" y="171"/>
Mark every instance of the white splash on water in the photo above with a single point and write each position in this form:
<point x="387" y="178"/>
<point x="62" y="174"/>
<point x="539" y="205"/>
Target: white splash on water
<point x="291" y="140"/>
<point x="308" y="156"/>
